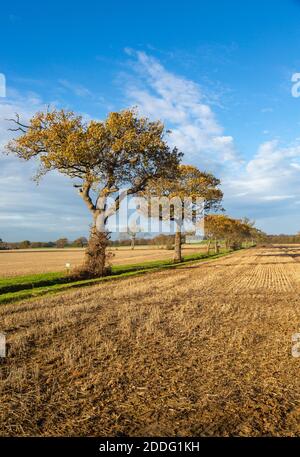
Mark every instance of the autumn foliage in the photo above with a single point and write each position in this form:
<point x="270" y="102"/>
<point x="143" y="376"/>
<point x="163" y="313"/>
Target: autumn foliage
<point x="200" y="187"/>
<point x="101" y="157"/>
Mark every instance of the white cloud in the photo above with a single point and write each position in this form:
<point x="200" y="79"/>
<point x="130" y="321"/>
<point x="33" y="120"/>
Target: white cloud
<point x="49" y="210"/>
<point x="77" y="89"/>
<point x="181" y="104"/>
<point x="277" y="198"/>
<point x="269" y="182"/>
<point x="24" y="105"/>
<point x="264" y="187"/>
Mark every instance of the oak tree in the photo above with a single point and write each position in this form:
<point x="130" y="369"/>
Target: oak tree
<point x="217" y="227"/>
<point x="132" y="231"/>
<point x="101" y="157"/>
<point x="183" y="192"/>
<point x="232" y="231"/>
<point x="61" y="243"/>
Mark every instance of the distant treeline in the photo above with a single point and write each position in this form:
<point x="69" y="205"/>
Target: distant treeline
<point x="159" y="240"/>
<point x="61" y="243"/>
<point x="282" y="239"/>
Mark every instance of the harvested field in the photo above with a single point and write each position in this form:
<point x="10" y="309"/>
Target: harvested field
<point x="23" y="262"/>
<point x="203" y="350"/>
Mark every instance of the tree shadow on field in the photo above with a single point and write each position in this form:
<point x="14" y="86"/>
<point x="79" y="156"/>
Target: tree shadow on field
<point x="226" y="265"/>
<point x="281" y="254"/>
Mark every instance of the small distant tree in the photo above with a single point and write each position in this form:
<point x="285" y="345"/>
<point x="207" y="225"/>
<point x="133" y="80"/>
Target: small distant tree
<point x="3" y="245"/>
<point x="80" y="242"/>
<point x="62" y="243"/>
<point x="215" y="229"/>
<point x="132" y="231"/>
<point x="102" y="157"/>
<point x="189" y="183"/>
<point x="164" y="240"/>
<point x="255" y="235"/>
<point x="49" y="244"/>
<point x="25" y="244"/>
<point x="233" y="231"/>
<point x="241" y="231"/>
<point x="258" y="236"/>
<point x="36" y="244"/>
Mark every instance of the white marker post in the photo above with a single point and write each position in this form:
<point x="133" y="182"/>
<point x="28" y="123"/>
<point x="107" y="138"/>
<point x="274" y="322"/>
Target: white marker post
<point x="2" y="345"/>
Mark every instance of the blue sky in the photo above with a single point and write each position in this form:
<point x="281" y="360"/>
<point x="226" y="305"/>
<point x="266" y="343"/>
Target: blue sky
<point x="217" y="73"/>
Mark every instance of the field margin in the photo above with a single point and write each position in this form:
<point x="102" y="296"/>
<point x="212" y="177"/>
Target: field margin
<point x="32" y="291"/>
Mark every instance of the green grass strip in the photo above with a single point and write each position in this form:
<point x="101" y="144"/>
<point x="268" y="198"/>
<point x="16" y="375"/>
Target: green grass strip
<point x="31" y="286"/>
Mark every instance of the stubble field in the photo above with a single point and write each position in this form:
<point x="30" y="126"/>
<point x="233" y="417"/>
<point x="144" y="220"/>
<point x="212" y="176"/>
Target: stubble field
<point x="203" y="350"/>
<point x="31" y="261"/>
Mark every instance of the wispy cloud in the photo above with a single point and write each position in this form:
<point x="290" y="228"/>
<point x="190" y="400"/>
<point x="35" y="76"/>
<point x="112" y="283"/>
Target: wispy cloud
<point x="265" y="185"/>
<point x="182" y="105"/>
<point x="47" y="211"/>
<point x="269" y="183"/>
<point x="77" y="89"/>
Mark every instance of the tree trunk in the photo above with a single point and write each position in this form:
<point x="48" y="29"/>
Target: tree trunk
<point x="132" y="242"/>
<point x="208" y="246"/>
<point x="95" y="264"/>
<point x="216" y="247"/>
<point x="177" y="247"/>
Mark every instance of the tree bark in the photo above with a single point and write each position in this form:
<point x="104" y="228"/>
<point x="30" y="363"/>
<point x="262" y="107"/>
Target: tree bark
<point x="132" y="242"/>
<point x="95" y="260"/>
<point x="216" y="247"/>
<point x="177" y="247"/>
<point x="208" y="246"/>
<point x="95" y="264"/>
